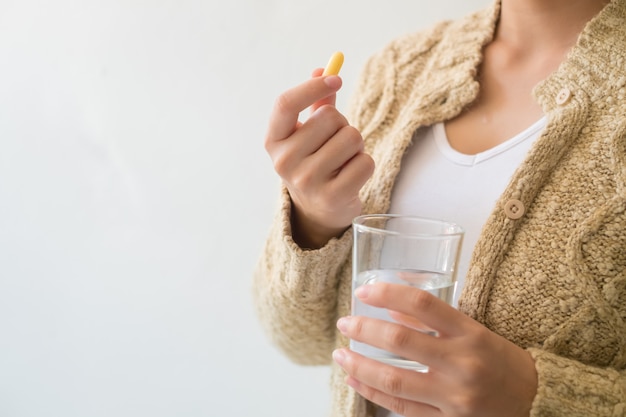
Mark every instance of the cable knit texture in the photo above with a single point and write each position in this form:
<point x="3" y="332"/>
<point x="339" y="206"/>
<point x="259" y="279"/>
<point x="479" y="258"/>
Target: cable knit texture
<point x="552" y="281"/>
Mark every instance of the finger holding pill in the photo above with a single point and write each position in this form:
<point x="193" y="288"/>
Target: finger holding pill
<point x="332" y="68"/>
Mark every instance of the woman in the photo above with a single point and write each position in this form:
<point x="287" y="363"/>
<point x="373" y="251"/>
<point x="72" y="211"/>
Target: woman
<point x="541" y="324"/>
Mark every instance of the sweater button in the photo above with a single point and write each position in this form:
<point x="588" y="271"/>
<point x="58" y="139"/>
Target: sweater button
<point x="563" y="96"/>
<point x="514" y="209"/>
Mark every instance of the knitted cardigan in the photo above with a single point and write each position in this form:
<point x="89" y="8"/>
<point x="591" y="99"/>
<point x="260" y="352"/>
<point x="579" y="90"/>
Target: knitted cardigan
<point x="549" y="270"/>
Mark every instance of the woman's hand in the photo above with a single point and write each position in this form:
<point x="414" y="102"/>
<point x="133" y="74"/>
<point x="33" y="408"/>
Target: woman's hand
<point x="472" y="371"/>
<point x="321" y="161"/>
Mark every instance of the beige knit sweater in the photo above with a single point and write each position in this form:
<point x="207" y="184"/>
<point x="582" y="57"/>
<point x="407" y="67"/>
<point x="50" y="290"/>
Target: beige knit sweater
<point x="549" y="271"/>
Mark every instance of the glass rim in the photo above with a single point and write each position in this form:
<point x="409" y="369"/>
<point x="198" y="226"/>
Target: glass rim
<point x="358" y="222"/>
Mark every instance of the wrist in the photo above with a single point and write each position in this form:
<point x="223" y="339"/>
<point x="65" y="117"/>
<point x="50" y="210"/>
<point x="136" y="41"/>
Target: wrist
<point x="309" y="234"/>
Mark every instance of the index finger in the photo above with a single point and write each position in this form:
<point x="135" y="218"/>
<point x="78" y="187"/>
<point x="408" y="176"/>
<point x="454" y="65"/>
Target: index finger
<point x="291" y="103"/>
<point x="425" y="307"/>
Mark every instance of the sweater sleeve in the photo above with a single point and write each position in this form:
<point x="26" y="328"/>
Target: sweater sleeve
<point x="295" y="291"/>
<point x="570" y="388"/>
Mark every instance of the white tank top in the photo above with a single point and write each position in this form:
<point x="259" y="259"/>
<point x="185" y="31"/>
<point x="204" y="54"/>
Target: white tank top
<point x="439" y="182"/>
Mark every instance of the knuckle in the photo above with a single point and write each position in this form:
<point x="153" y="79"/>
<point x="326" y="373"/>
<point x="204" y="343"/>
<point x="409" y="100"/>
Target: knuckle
<point x="392" y="382"/>
<point x="282" y="164"/>
<point x="474" y="369"/>
<point x="326" y="111"/>
<point x="367" y="163"/>
<point x="268" y="144"/>
<point x="284" y="103"/>
<point x="331" y="114"/>
<point x="398" y="406"/>
<point x="303" y="180"/>
<point x="352" y="137"/>
<point x="357" y="326"/>
<point x="353" y="132"/>
<point x="466" y="405"/>
<point x="421" y="300"/>
<point x="398" y="336"/>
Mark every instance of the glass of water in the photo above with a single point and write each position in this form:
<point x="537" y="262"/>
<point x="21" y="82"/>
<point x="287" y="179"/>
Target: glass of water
<point x="414" y="251"/>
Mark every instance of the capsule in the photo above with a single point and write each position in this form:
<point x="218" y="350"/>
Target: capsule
<point x="334" y="64"/>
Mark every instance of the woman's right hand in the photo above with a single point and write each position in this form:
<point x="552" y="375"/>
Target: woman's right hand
<point x="321" y="161"/>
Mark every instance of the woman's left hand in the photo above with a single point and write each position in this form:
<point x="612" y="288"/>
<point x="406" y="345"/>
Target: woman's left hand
<point x="472" y="371"/>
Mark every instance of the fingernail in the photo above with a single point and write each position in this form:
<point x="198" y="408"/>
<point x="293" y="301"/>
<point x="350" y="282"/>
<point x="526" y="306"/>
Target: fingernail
<point x="342" y="324"/>
<point x="339" y="356"/>
<point x="362" y="292"/>
<point x="333" y="81"/>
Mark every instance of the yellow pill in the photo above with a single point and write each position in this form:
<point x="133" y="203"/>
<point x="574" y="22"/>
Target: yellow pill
<point x="334" y="64"/>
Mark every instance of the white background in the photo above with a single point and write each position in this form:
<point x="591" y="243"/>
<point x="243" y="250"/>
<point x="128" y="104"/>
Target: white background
<point x="135" y="195"/>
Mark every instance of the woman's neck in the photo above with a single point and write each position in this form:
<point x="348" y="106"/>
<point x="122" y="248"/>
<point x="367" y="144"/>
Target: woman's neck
<point x="532" y="39"/>
<point x="544" y="26"/>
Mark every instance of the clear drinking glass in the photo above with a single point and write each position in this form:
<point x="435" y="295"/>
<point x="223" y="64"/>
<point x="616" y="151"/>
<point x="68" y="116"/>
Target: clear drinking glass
<point x="414" y="251"/>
